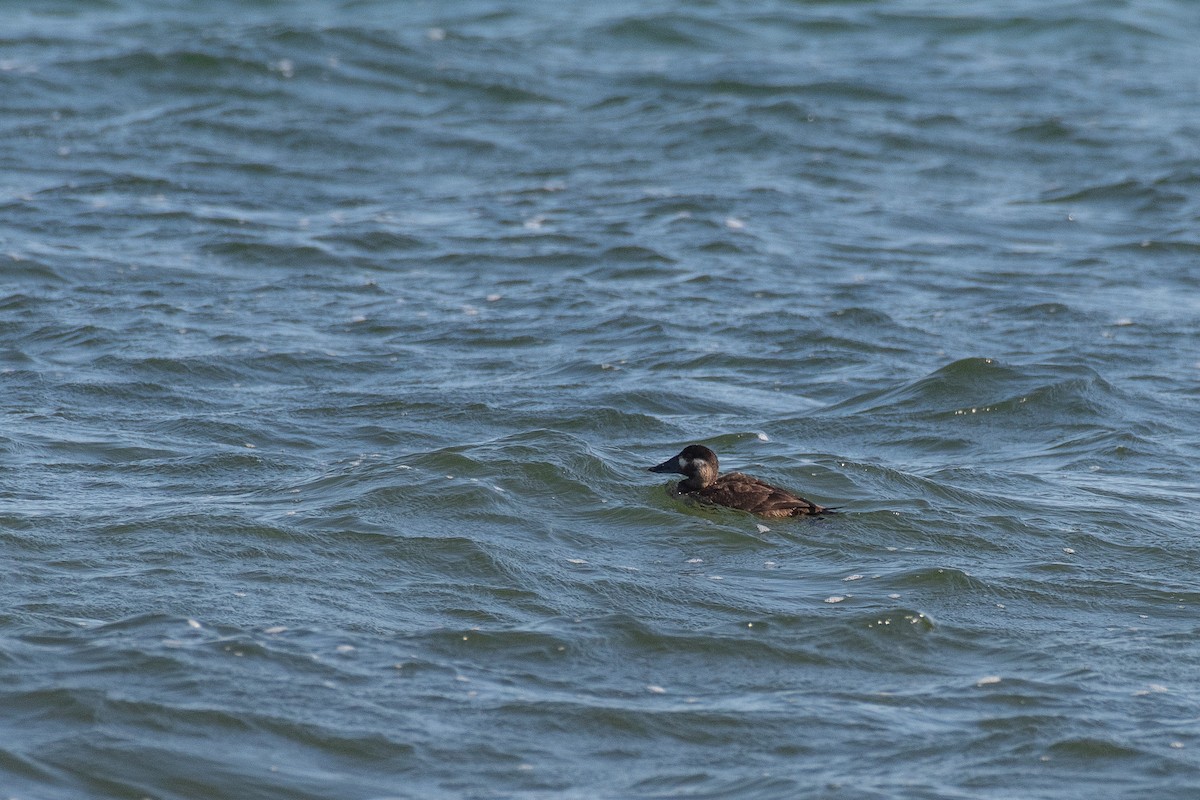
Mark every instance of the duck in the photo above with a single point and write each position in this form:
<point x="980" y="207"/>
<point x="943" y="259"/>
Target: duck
<point x="699" y="465"/>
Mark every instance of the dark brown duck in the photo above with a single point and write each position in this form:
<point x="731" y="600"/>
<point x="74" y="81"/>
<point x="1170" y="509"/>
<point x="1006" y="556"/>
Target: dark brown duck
<point x="735" y="490"/>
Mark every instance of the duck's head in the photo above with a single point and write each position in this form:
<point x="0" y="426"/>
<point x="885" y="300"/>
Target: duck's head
<point x="696" y="462"/>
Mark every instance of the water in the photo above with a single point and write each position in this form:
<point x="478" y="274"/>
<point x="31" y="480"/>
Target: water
<point x="336" y="337"/>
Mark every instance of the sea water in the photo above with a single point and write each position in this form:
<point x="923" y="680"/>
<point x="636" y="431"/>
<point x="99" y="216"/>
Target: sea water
<point x="336" y="337"/>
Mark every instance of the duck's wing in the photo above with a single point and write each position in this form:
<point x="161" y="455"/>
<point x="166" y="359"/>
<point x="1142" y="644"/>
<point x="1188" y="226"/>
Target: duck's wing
<point x="758" y="497"/>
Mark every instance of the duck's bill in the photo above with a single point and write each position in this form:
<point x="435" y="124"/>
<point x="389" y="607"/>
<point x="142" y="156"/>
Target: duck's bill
<point x="670" y="465"/>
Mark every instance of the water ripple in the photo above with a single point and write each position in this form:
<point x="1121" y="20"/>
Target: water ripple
<point x="336" y="340"/>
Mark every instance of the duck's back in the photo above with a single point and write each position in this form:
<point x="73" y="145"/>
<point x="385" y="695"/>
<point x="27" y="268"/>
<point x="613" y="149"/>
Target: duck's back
<point x="747" y="493"/>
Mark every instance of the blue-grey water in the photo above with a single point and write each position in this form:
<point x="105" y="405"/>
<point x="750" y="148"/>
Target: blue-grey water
<point x="336" y="336"/>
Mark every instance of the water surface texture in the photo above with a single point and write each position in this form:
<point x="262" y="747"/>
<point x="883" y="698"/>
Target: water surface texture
<point x="336" y="337"/>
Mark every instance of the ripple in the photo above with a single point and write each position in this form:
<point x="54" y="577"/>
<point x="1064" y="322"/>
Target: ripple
<point x="686" y="32"/>
<point x="335" y="351"/>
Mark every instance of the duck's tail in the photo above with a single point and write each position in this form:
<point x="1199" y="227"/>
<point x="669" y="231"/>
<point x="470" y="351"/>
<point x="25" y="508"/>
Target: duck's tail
<point x="816" y="510"/>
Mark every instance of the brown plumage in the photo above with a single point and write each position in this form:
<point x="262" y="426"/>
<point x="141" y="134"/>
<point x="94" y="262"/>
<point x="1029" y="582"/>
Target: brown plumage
<point x="735" y="490"/>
